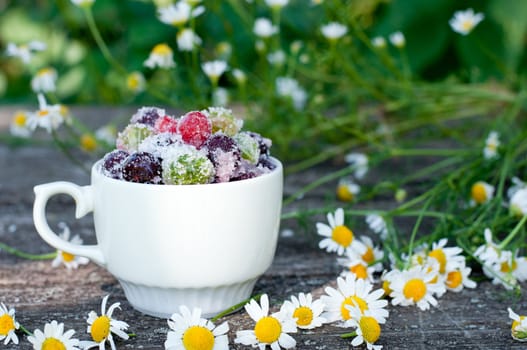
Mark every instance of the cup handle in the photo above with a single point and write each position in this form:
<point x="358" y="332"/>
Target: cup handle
<point x="84" y="204"/>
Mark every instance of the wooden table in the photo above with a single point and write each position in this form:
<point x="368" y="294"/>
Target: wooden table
<point x="472" y="319"/>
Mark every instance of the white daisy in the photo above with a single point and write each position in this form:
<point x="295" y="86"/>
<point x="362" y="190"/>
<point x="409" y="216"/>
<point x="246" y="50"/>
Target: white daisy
<point x="338" y="236"/>
<point x="356" y="268"/>
<point x="18" y="126"/>
<point x="240" y="76"/>
<point x="264" y="28"/>
<point x="83" y="3"/>
<point x="378" y="42"/>
<point x="464" y="22"/>
<point x="8" y="325"/>
<point x="448" y="258"/>
<point x="359" y="161"/>
<point x="519" y="326"/>
<point x="290" y="88"/>
<point x="517" y="184"/>
<point x="397" y="39"/>
<point x="276" y="4"/>
<point x="371" y="257"/>
<point x="458" y="279"/>
<point x="269" y="330"/>
<point x="415" y="286"/>
<point x="481" y="192"/>
<point x="333" y="31"/>
<point x="69" y="260"/>
<point x="161" y="56"/>
<point x="304" y="310"/>
<point x="136" y="82"/>
<point x="489" y="252"/>
<point x="187" y="40"/>
<point x="25" y="51"/>
<point x="179" y="13"/>
<point x="214" y="69"/>
<point x="44" y="80"/>
<point x="492" y="143"/>
<point x="366" y="326"/>
<point x="377" y="224"/>
<point x="190" y="331"/>
<point x="276" y="58"/>
<point x="356" y="292"/>
<point x="48" y="117"/>
<point x="347" y="190"/>
<point x="102" y="328"/>
<point x="518" y="203"/>
<point x="53" y="337"/>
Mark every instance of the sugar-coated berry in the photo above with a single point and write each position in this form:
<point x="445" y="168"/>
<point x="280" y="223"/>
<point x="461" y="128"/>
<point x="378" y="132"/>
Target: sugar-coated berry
<point x="142" y="167"/>
<point x="130" y="138"/>
<point x="147" y="115"/>
<point x="112" y="163"/>
<point x="185" y="165"/>
<point x="265" y="162"/>
<point x="194" y="128"/>
<point x="157" y="144"/>
<point x="249" y="147"/>
<point x="224" y="154"/>
<point x="166" y="124"/>
<point x="223" y="120"/>
<point x="263" y="142"/>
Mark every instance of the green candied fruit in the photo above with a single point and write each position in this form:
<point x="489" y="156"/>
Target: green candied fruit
<point x="249" y="147"/>
<point x="223" y="120"/>
<point x="131" y="137"/>
<point x="185" y="165"/>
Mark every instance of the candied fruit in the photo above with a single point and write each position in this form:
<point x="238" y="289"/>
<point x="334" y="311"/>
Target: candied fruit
<point x="194" y="128"/>
<point x="249" y="147"/>
<point x="166" y="124"/>
<point x="147" y="115"/>
<point x="142" y="167"/>
<point x="186" y="165"/>
<point x="157" y="144"/>
<point x="224" y="154"/>
<point x="113" y="163"/>
<point x="130" y="138"/>
<point x="223" y="120"/>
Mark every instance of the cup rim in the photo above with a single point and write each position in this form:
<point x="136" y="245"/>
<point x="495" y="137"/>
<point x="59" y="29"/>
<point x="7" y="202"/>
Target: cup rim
<point x="96" y="172"/>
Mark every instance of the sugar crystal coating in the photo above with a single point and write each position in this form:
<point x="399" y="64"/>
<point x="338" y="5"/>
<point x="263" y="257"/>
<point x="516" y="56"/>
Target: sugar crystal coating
<point x="147" y="115"/>
<point x="166" y="124"/>
<point x="223" y="120"/>
<point x="142" y="167"/>
<point x="194" y="128"/>
<point x="249" y="147"/>
<point x="113" y="163"/>
<point x="130" y="138"/>
<point x="158" y="143"/>
<point x="185" y="165"/>
<point x="224" y="154"/>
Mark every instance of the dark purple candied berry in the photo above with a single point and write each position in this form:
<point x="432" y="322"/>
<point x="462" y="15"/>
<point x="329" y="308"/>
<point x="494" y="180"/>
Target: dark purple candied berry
<point x="263" y="142"/>
<point x="244" y="176"/>
<point x="222" y="143"/>
<point x="142" y="167"/>
<point x="112" y="163"/>
<point x="147" y="116"/>
<point x="266" y="163"/>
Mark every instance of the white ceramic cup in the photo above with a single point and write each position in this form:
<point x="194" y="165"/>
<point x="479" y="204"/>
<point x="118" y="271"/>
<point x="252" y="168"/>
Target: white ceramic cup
<point x="169" y="245"/>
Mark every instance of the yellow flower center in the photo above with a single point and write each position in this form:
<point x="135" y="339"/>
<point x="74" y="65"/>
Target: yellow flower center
<point x="353" y="301"/>
<point x="467" y="25"/>
<point x="506" y="268"/>
<point x="516" y="323"/>
<point x="479" y="193"/>
<point x="304" y="315"/>
<point x="343" y="193"/>
<point x="386" y="287"/>
<point x="133" y="82"/>
<point x="67" y="257"/>
<point x="43" y="113"/>
<point x="454" y="279"/>
<point x="198" y="338"/>
<point x="100" y="329"/>
<point x="414" y="289"/>
<point x="20" y="119"/>
<point x="360" y="271"/>
<point x="162" y="50"/>
<point x="371" y="331"/>
<point x="368" y="257"/>
<point x="342" y="235"/>
<point x="45" y="71"/>
<point x="440" y="256"/>
<point x="53" y="344"/>
<point x="267" y="330"/>
<point x="88" y="143"/>
<point x="6" y="324"/>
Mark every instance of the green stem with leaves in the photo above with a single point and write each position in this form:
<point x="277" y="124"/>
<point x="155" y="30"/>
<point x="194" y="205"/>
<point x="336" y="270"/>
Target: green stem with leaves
<point x="13" y="251"/>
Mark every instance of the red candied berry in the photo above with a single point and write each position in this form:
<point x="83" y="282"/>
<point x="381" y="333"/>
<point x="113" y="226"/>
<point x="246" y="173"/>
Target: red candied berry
<point x="195" y="128"/>
<point x="166" y="124"/>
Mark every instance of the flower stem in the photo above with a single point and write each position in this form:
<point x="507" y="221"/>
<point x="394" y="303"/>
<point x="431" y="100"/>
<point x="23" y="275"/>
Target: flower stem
<point x="348" y="335"/>
<point x="24" y="329"/>
<point x="235" y="307"/>
<point x="25" y="255"/>
<point x="513" y="233"/>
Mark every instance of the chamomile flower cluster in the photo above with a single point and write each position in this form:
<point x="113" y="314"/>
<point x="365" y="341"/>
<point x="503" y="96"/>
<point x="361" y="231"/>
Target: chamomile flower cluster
<point x="348" y="187"/>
